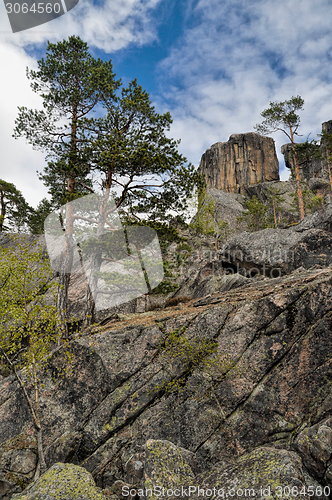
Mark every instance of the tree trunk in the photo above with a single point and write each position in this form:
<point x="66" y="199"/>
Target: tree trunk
<point x="66" y="266"/>
<point x="97" y="256"/>
<point x="329" y="165"/>
<point x="297" y="176"/>
<point x="67" y="255"/>
<point x="3" y="210"/>
<point x="96" y="263"/>
<point x="41" y="465"/>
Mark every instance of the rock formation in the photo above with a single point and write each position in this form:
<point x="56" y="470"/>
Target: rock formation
<point x="311" y="169"/>
<point x="235" y="384"/>
<point x="243" y="160"/>
<point x="229" y="387"/>
<point x="275" y="252"/>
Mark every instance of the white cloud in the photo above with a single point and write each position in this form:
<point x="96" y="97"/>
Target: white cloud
<point x="237" y="58"/>
<point x="111" y="26"/>
<point x="18" y="162"/>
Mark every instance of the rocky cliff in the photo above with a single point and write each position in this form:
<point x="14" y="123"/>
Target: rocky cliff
<point x="243" y="160"/>
<point x="314" y="168"/>
<point x="228" y="389"/>
<point x="235" y="382"/>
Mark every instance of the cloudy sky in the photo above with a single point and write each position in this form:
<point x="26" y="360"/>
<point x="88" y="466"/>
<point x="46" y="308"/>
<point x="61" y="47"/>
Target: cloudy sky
<point x="214" y="64"/>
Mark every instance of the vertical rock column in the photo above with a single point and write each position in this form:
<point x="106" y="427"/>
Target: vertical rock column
<point x="243" y="160"/>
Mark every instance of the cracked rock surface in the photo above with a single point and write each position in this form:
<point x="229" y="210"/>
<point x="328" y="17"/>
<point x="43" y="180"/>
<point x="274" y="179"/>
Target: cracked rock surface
<point x="223" y="381"/>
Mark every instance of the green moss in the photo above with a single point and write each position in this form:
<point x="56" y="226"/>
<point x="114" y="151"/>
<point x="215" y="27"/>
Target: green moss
<point x="65" y="482"/>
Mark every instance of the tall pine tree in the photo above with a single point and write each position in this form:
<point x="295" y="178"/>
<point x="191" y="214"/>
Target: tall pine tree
<point x="72" y="84"/>
<point x="125" y="150"/>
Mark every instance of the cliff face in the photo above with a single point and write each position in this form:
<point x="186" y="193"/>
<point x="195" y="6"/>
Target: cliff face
<point x="311" y="168"/>
<point x="267" y="384"/>
<point x="243" y="160"/>
<point x="232" y="386"/>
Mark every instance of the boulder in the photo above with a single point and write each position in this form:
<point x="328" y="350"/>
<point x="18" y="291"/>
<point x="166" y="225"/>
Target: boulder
<point x="243" y="160"/>
<point x="265" y="472"/>
<point x="318" y="184"/>
<point x="62" y="482"/>
<point x="273" y="252"/>
<point x="166" y="465"/>
<point x="209" y="279"/>
<point x="314" y="444"/>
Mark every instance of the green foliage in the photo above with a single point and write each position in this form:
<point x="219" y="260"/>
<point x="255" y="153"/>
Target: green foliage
<point x="311" y="201"/>
<point x="188" y="353"/>
<point x="126" y="147"/>
<point x="166" y="286"/>
<point x="38" y="216"/>
<point x="205" y="221"/>
<point x="28" y="328"/>
<point x="274" y="200"/>
<point x="255" y="217"/>
<point x="281" y="116"/>
<point x="72" y="85"/>
<point x="307" y="151"/>
<point x="14" y="210"/>
<point x="28" y="321"/>
<point x="184" y="247"/>
<point x="195" y="354"/>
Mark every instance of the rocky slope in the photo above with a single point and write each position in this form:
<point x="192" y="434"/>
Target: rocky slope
<point x="233" y="386"/>
<point x="275" y="252"/>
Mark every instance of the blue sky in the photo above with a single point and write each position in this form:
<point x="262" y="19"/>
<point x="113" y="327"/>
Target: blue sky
<point x="214" y="64"/>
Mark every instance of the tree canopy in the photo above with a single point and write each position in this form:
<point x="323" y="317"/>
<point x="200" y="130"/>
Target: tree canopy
<point x="100" y="135"/>
<point x="103" y="138"/>
<point x="14" y="210"/>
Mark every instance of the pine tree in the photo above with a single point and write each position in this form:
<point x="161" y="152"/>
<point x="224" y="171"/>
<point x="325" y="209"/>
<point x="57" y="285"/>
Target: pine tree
<point x="125" y="150"/>
<point x="72" y="84"/>
<point x="282" y="116"/>
<point x="255" y="216"/>
<point x="38" y="216"/>
<point x="14" y="210"/>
